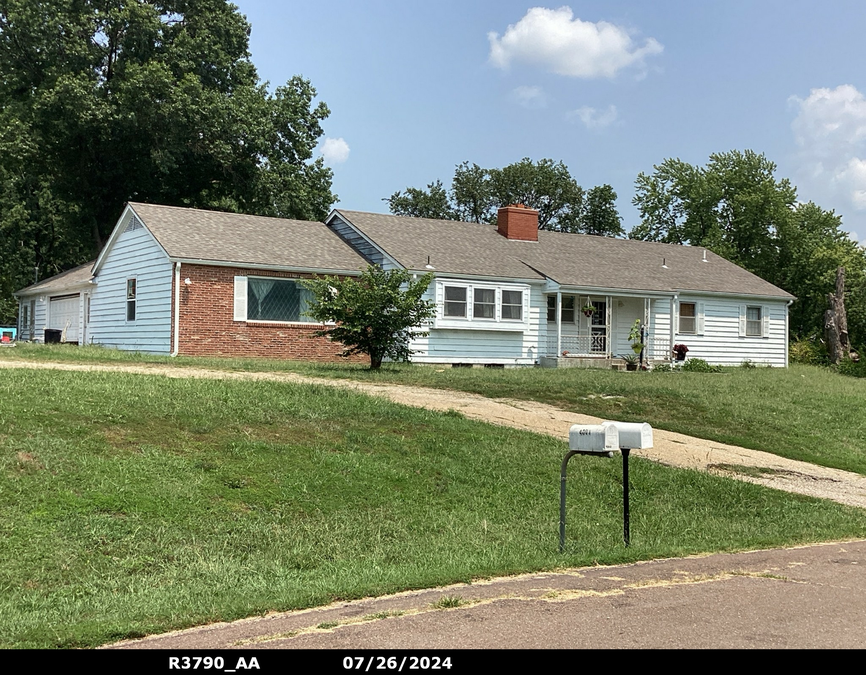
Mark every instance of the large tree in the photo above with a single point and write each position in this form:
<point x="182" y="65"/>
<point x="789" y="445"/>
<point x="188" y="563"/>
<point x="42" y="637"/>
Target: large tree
<point x="476" y="194"/>
<point x="104" y="101"/>
<point x="737" y="207"/>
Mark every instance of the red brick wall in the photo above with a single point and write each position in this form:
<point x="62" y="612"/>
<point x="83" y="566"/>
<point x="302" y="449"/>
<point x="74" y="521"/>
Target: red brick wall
<point x="208" y="328"/>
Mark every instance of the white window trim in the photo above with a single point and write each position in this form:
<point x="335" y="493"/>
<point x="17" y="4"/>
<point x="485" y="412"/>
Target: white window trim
<point x="764" y="322"/>
<point x="127" y="300"/>
<point x="700" y="318"/>
<point x="468" y="302"/>
<point x="241" y="290"/>
<point x="470" y="321"/>
<point x="497" y="304"/>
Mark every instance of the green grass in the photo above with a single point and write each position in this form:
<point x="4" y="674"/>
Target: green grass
<point x="803" y="412"/>
<point x="131" y="504"/>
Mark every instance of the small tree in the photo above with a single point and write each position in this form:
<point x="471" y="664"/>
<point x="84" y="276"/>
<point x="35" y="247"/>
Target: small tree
<point x="376" y="314"/>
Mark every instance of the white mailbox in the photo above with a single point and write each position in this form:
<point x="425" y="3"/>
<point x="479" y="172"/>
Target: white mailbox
<point x="593" y="438"/>
<point x="632" y="435"/>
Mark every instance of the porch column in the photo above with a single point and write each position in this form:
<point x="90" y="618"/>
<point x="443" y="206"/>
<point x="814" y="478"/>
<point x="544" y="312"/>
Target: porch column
<point x="673" y="326"/>
<point x="646" y="322"/>
<point x="558" y="324"/>
<point x="608" y="333"/>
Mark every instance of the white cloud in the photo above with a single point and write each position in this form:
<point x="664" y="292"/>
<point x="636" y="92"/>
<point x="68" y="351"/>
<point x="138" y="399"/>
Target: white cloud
<point x="595" y="119"/>
<point x="557" y="41"/>
<point x="830" y="130"/>
<point x="530" y="97"/>
<point x="334" y="150"/>
<point x="852" y="178"/>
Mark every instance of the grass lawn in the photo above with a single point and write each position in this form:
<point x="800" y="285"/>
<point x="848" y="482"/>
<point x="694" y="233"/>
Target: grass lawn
<point x="137" y="504"/>
<point x="803" y="412"/>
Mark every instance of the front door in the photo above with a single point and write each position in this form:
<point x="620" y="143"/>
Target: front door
<point x="598" y="327"/>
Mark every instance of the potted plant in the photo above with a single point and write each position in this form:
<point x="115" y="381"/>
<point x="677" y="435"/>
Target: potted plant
<point x="634" y="337"/>
<point x="680" y="352"/>
<point x="630" y="361"/>
<point x="588" y="309"/>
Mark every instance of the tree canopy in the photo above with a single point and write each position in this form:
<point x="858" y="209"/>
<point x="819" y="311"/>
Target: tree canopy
<point x="736" y="207"/>
<point x="476" y="194"/>
<point x="103" y="102"/>
<point x="377" y="314"/>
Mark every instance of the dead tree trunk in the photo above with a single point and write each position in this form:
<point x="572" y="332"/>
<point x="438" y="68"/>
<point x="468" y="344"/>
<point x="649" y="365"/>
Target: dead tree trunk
<point x="836" y="322"/>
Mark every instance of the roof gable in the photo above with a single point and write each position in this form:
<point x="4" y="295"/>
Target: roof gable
<point x="217" y="237"/>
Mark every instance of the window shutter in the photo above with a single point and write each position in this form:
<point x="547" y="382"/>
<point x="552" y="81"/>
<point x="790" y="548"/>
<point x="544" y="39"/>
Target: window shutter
<point x="699" y="321"/>
<point x="765" y="320"/>
<point x="742" y="321"/>
<point x="676" y="317"/>
<point x="240" y="299"/>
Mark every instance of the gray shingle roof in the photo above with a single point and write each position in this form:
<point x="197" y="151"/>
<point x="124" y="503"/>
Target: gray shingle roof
<point x="217" y="236"/>
<point x="569" y="259"/>
<point x="77" y="276"/>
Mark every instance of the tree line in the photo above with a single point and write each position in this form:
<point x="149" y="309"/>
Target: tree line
<point x="547" y="186"/>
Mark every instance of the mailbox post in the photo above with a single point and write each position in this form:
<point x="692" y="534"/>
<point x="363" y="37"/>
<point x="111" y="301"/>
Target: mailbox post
<point x="602" y="440"/>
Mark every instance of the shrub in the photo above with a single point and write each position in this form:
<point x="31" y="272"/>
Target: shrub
<point x="809" y="351"/>
<point x="852" y="368"/>
<point x="700" y="366"/>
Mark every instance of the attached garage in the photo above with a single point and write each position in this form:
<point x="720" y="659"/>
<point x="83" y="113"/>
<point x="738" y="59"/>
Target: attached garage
<point x="60" y="303"/>
<point x="63" y="315"/>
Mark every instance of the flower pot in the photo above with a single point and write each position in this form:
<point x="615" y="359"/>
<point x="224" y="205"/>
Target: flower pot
<point x="588" y="312"/>
<point x="631" y="366"/>
<point x="637" y="347"/>
<point x="680" y="357"/>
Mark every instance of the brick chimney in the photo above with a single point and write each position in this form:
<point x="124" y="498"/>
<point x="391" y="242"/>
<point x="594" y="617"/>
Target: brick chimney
<point x="518" y="222"/>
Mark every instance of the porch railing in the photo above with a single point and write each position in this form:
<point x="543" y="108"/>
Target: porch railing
<point x="656" y="349"/>
<point x="579" y="345"/>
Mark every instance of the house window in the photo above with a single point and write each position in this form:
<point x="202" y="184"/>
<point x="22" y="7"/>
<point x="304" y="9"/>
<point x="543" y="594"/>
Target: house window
<point x="484" y="305"/>
<point x="567" y="308"/>
<point x="455" y="302"/>
<point x="688" y="318"/>
<point x="277" y="300"/>
<point x="24" y="317"/>
<point x="753" y="322"/>
<point x="130" y="299"/>
<point x="512" y="305"/>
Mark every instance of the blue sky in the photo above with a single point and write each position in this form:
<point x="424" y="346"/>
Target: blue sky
<point x="610" y="88"/>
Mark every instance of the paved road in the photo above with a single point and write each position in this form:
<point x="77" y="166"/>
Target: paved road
<point x="809" y="597"/>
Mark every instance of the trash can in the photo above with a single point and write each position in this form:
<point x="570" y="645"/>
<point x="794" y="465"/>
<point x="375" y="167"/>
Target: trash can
<point x="52" y="336"/>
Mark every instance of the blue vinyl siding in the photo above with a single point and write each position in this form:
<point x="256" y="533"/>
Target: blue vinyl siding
<point x="135" y="254"/>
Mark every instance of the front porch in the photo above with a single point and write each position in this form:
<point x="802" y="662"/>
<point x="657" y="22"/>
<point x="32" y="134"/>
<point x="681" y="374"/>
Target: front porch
<point x="593" y="331"/>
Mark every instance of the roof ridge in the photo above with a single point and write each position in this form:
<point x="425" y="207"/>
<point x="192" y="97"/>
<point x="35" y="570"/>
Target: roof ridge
<point x="217" y="212"/>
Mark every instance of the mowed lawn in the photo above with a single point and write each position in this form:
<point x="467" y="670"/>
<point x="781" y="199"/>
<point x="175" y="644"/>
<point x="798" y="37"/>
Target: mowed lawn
<point x="802" y="412"/>
<point x="137" y="504"/>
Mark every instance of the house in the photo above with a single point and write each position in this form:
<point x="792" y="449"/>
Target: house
<point x="514" y="295"/>
<point x="506" y="295"/>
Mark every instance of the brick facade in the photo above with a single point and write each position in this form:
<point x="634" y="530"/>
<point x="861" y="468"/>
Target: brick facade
<point x="208" y="328"/>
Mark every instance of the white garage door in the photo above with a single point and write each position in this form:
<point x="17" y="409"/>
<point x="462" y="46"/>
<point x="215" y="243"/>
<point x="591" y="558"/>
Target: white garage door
<point x="63" y="314"/>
